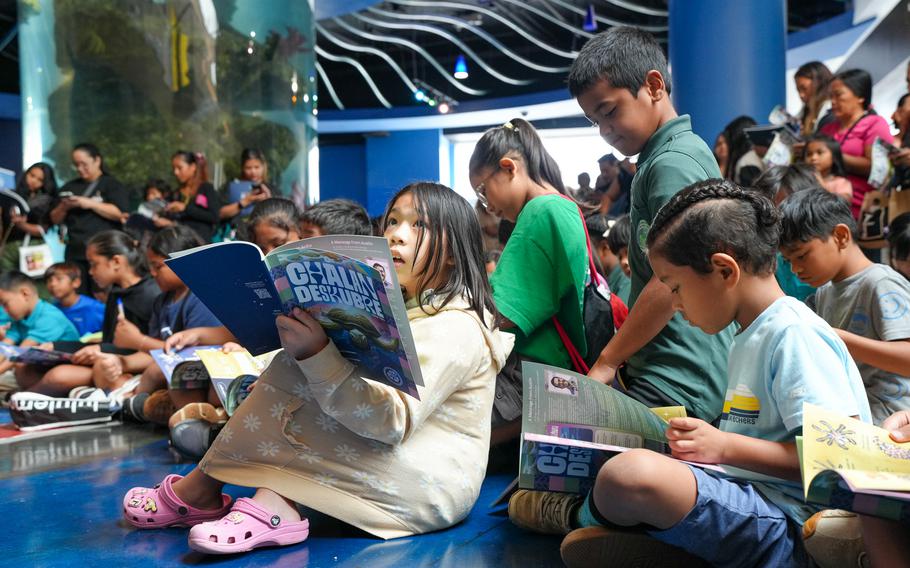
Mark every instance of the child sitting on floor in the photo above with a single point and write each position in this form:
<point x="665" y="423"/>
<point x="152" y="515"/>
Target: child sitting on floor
<point x="314" y="432"/>
<point x="116" y="263"/>
<point x="63" y="281"/>
<point x="867" y="303"/>
<point x="714" y="246"/>
<point x="34" y="321"/>
<point x="176" y="309"/>
<point x="335" y="217"/>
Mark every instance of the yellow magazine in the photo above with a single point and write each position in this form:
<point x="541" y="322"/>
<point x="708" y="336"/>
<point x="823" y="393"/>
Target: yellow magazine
<point x="852" y="465"/>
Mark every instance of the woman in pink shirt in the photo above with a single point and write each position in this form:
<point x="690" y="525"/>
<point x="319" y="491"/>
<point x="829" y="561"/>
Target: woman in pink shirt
<point x="856" y="127"/>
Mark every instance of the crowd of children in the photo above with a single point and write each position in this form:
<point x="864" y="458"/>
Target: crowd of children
<point x="756" y="294"/>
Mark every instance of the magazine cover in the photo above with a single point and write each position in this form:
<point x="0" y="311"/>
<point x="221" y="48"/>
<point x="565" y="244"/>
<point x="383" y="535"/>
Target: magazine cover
<point x="34" y="356"/>
<point x="571" y="425"/>
<point x="185" y="363"/>
<point x="347" y="283"/>
<point x="851" y="465"/>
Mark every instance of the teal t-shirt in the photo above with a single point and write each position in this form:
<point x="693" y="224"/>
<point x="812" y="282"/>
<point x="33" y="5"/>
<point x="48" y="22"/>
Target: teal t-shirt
<point x="789" y="283"/>
<point x="619" y="283"/>
<point x="45" y="323"/>
<point x="682" y="361"/>
<point x="542" y="273"/>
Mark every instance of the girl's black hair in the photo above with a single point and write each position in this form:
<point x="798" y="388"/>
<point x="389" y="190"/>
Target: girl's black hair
<point x="92" y="151"/>
<point x="737" y="142"/>
<point x="278" y="212"/>
<point x="517" y="139"/>
<point x="111" y="243"/>
<point x="837" y="155"/>
<point x="452" y="233"/>
<point x="899" y="237"/>
<point x="785" y="180"/>
<point x="859" y="82"/>
<point x="197" y="159"/>
<point x="717" y="216"/>
<point x="173" y="239"/>
<point x="50" y="182"/>
<point x="255" y="154"/>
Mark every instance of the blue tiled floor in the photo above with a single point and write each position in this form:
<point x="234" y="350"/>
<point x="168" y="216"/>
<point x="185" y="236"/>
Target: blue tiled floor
<point x="61" y="498"/>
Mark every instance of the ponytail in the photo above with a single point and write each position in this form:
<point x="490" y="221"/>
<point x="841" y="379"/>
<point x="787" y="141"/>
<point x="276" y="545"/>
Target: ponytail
<point x="517" y="139"/>
<point x="197" y="159"/>
<point x="112" y="243"/>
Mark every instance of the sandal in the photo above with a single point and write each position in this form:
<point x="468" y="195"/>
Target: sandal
<point x="158" y="507"/>
<point x="246" y="527"/>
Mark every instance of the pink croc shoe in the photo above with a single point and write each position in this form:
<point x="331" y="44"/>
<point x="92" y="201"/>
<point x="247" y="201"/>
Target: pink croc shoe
<point x="158" y="507"/>
<point x="246" y="527"/>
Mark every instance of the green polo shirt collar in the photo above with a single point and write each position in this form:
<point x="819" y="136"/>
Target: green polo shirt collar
<point x="663" y="135"/>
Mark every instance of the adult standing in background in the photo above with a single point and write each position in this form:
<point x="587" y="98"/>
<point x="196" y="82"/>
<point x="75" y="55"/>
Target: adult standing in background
<point x="855" y="128"/>
<point x="91" y="203"/>
<point x="812" y="80"/>
<point x="37" y="187"/>
<point x="197" y="204"/>
<point x="239" y="195"/>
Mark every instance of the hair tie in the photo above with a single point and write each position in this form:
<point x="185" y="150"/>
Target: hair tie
<point x="610" y="224"/>
<point x="509" y="125"/>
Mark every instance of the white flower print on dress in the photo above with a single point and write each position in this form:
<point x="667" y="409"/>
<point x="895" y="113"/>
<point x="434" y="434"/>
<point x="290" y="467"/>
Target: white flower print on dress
<point x="295" y="428"/>
<point x="368" y="480"/>
<point x="326" y="423"/>
<point x="326" y="479"/>
<point x="358" y="386"/>
<point x="386" y="486"/>
<point x="332" y="411"/>
<point x="347" y="453"/>
<point x="238" y="457"/>
<point x="302" y="390"/>
<point x="278" y="409"/>
<point x="267" y="449"/>
<point x="446" y="413"/>
<point x="252" y="422"/>
<point x="268" y="387"/>
<point x="310" y="456"/>
<point x="330" y="389"/>
<point x="363" y="411"/>
<point x="226" y="435"/>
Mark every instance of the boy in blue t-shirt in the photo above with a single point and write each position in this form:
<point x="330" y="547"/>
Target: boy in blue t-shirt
<point x="34" y="321"/>
<point x="63" y="280"/>
<point x="714" y="246"/>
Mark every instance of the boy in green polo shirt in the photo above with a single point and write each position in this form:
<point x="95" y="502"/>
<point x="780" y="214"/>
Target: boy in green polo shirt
<point x="621" y="81"/>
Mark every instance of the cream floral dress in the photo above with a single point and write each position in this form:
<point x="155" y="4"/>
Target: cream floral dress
<point x="317" y="433"/>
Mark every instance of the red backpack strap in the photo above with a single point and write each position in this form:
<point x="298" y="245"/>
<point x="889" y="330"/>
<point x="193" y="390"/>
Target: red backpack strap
<point x="578" y="362"/>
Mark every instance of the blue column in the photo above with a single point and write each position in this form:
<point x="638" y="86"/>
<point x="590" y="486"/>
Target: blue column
<point x="727" y="58"/>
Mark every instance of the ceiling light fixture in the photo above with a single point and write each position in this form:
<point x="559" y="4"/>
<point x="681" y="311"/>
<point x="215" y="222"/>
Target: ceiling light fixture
<point x="461" y="68"/>
<point x="590" y="24"/>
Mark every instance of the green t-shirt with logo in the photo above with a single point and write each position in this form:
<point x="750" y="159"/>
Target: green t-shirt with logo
<point x="542" y="273"/>
<point x="682" y="361"/>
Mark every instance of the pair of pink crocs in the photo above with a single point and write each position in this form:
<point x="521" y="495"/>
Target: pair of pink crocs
<point x="238" y="528"/>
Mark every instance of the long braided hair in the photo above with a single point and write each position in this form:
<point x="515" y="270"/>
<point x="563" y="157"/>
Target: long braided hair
<point x="717" y="216"/>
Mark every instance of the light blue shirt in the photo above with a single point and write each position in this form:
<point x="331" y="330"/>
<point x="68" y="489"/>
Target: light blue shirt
<point x="45" y="323"/>
<point x="786" y="357"/>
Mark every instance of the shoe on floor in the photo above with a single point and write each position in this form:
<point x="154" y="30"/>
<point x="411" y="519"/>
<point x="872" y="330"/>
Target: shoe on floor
<point x="32" y="411"/>
<point x="543" y="511"/>
<point x="834" y="539"/>
<point x="131" y="410"/>
<point x="246" y="527"/>
<point x="601" y="546"/>
<point x="158" y="407"/>
<point x="198" y="411"/>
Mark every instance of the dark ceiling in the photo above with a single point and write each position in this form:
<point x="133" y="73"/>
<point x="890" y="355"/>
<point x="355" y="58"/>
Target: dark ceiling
<point x="512" y="46"/>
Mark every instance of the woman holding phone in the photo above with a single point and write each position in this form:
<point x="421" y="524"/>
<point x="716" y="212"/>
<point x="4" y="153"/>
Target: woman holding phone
<point x="87" y="205"/>
<point x="241" y="194"/>
<point x="25" y="211"/>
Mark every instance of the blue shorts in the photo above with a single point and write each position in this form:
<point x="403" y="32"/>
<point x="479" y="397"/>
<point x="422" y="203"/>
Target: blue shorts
<point x="732" y="524"/>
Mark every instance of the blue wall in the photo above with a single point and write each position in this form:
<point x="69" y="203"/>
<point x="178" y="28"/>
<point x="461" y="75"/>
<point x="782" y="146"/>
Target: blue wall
<point x="342" y="172"/>
<point x="727" y="59"/>
<point x="10" y="132"/>
<point x="398" y="159"/>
